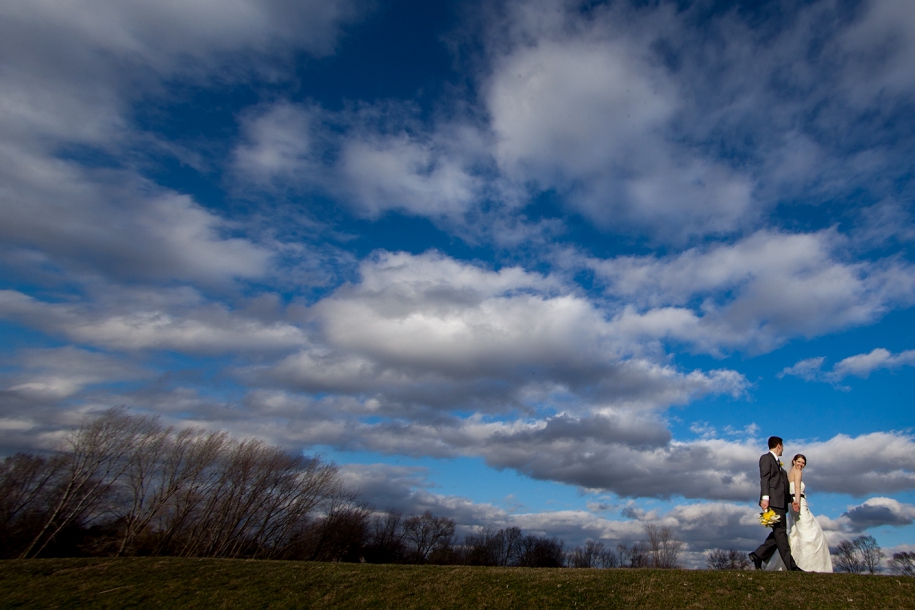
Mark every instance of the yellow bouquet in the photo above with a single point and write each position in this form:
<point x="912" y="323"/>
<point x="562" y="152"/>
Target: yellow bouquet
<point x="769" y="518"/>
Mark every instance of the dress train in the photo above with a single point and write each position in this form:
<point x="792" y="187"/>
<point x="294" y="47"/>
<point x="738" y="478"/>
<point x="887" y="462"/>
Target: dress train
<point x="806" y="539"/>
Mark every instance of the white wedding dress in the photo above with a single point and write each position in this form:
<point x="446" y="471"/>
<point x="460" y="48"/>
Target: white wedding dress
<point x="807" y="541"/>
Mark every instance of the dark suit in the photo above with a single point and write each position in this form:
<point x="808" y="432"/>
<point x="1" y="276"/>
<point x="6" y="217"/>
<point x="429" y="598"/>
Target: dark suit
<point x="773" y="482"/>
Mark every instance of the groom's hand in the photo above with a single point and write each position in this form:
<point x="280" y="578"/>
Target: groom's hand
<point x="764" y="504"/>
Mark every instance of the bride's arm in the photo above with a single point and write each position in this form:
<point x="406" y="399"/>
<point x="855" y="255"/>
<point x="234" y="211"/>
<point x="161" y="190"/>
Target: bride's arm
<point x="795" y="477"/>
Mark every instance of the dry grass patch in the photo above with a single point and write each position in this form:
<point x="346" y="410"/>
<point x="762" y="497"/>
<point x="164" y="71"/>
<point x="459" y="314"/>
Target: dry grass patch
<point x="221" y="583"/>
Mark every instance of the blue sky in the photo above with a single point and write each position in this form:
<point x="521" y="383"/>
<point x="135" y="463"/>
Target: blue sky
<point x="550" y="264"/>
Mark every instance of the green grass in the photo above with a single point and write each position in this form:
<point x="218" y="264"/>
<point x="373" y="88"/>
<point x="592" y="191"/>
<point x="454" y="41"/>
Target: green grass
<point x="222" y="583"/>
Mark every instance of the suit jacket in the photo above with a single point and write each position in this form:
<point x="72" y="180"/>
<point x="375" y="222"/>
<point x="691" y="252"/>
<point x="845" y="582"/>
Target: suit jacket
<point x="773" y="482"/>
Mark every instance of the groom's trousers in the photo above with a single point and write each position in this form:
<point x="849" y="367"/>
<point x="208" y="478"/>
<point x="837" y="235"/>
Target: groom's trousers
<point x="777" y="540"/>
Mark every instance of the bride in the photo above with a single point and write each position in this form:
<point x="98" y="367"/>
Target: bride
<point x="808" y="544"/>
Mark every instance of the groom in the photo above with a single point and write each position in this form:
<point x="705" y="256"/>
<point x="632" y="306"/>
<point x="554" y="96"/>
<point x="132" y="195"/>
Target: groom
<point x="773" y="493"/>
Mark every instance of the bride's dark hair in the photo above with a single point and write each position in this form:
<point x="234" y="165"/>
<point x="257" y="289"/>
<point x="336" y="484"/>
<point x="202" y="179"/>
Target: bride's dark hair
<point x="799" y="455"/>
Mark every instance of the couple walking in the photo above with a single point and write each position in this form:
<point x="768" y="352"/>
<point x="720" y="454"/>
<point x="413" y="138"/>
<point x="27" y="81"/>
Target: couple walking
<point x="804" y="549"/>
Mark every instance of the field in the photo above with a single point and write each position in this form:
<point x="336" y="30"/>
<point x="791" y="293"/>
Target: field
<point x="215" y="583"/>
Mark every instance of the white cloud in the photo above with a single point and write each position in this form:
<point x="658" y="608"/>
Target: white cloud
<point x="753" y="294"/>
<point x="560" y="104"/>
<point x="876" y="512"/>
<point x="138" y="325"/>
<point x="628" y="453"/>
<point x="69" y="67"/>
<point x="862" y="365"/>
<point x="586" y="109"/>
<point x="69" y="75"/>
<point x="279" y="144"/>
<point x="431" y="330"/>
<point x="383" y="160"/>
<point x="622" y="112"/>
<point x="429" y="311"/>
<point x="702" y="526"/>
<point x="881" y="44"/>
<point x="403" y="173"/>
<point x="114" y="223"/>
<point x="883" y="462"/>
<point x="57" y="373"/>
<point x="808" y="369"/>
<point x="859" y="365"/>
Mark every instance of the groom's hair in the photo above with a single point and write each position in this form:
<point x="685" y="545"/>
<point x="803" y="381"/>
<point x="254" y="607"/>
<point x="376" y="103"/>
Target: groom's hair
<point x="774" y="441"/>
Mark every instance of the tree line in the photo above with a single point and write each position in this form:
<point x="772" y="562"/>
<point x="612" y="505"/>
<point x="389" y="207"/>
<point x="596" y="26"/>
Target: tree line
<point x="862" y="555"/>
<point x="125" y="485"/>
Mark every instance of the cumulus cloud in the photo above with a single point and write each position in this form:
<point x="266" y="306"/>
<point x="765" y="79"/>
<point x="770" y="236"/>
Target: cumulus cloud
<point x="876" y="512"/>
<point x="117" y="224"/>
<point x="642" y="120"/>
<point x="279" y="144"/>
<point x="70" y="76"/>
<point x="587" y="116"/>
<point x="57" y="373"/>
<point x="881" y="46"/>
<point x="808" y="369"/>
<point x="871" y="514"/>
<point x="438" y="312"/>
<point x="631" y="454"/>
<point x="69" y="69"/>
<point x="884" y="463"/>
<point x="189" y="327"/>
<point x="409" y="490"/>
<point x="859" y="365"/>
<point x="431" y="330"/>
<point x="702" y="526"/>
<point x="862" y="365"/>
<point x="383" y="160"/>
<point x="752" y="294"/>
<point x="637" y="120"/>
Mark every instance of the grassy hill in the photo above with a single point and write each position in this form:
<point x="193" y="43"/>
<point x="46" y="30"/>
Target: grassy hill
<point x="220" y="583"/>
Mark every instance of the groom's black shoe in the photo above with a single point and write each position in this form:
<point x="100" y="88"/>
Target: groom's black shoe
<point x="797" y="569"/>
<point x="757" y="561"/>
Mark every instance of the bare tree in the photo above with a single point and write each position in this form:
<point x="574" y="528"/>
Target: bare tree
<point x="591" y="555"/>
<point x="424" y="533"/>
<point x="727" y="560"/>
<point x="483" y="549"/>
<point x="386" y="538"/>
<point x="155" y="490"/>
<point x="664" y="547"/>
<point x="869" y="551"/>
<point x="27" y="483"/>
<point x="609" y="559"/>
<point x="903" y="564"/>
<point x="540" y="552"/>
<point x="97" y="457"/>
<point x="509" y="546"/>
<point x="143" y="479"/>
<point x="192" y="468"/>
<point x="847" y="558"/>
<point x="491" y="547"/>
<point x="257" y="497"/>
<point x="858" y="555"/>
<point x="635" y="556"/>
<point x="341" y="533"/>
